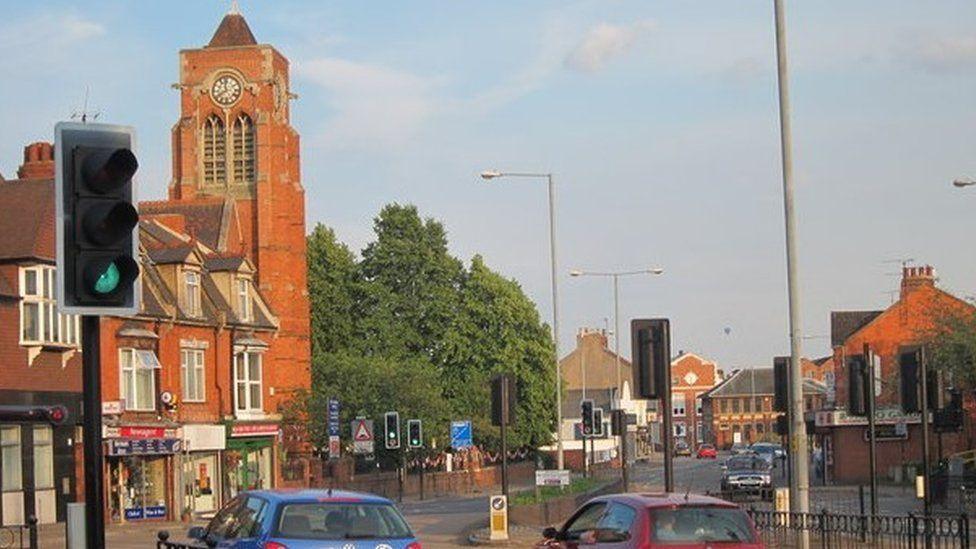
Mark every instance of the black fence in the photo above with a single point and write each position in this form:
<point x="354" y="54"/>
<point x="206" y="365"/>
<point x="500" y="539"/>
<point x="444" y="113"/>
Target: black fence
<point x="830" y="530"/>
<point x="19" y="536"/>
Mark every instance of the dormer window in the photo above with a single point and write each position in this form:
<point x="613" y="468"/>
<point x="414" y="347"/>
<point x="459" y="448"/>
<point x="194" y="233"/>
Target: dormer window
<point x="191" y="292"/>
<point x="244" y="298"/>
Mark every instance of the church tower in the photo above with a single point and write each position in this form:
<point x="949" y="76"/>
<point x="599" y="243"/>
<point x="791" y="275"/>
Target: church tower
<point x="234" y="147"/>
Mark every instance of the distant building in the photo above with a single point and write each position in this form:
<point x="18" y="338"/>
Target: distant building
<point x="888" y="333"/>
<point x="691" y="377"/>
<point x="740" y="409"/>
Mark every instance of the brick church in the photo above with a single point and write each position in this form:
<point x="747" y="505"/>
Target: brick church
<point x="200" y="388"/>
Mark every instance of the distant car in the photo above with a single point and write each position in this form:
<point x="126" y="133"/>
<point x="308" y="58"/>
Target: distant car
<point x="649" y="521"/>
<point x="681" y="448"/>
<point x="768" y="451"/>
<point x="306" y="519"/>
<point x="706" y="451"/>
<point x="747" y="475"/>
<point x="740" y="448"/>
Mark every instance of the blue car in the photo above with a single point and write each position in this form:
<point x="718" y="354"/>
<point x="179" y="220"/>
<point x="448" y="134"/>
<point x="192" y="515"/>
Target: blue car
<point x="306" y="519"/>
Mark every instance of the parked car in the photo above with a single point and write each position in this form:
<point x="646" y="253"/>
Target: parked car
<point x="306" y="519"/>
<point x="681" y="448"/>
<point x="747" y="475"/>
<point x="649" y="521"/>
<point x="740" y="448"/>
<point x="706" y="451"/>
<point x="768" y="451"/>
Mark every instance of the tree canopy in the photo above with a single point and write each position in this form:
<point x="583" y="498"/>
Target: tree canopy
<point x="408" y="327"/>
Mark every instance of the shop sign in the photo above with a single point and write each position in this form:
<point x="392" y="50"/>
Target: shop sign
<point x="142" y="432"/>
<point x="144" y="446"/>
<point x="113" y="407"/>
<point x="888" y="431"/>
<point x="840" y="418"/>
<point x="137" y="513"/>
<point x="254" y="430"/>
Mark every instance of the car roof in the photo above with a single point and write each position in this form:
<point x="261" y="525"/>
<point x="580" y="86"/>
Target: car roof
<point x="317" y="496"/>
<point x="667" y="500"/>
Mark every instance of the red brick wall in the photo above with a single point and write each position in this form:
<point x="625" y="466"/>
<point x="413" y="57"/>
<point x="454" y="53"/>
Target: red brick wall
<point x="850" y="452"/>
<point x="705" y="373"/>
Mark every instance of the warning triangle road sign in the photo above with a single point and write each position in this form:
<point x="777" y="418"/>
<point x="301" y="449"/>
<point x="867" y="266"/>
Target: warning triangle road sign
<point x="362" y="431"/>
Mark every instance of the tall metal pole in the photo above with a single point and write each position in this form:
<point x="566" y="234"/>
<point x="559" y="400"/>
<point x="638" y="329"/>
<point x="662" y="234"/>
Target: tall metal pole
<point x="872" y="450"/>
<point x="926" y="486"/>
<point x="555" y="322"/>
<point x="622" y="436"/>
<point x="92" y="432"/>
<point x="800" y="479"/>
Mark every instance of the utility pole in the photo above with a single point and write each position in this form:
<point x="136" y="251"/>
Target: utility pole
<point x="800" y="474"/>
<point x="926" y="467"/>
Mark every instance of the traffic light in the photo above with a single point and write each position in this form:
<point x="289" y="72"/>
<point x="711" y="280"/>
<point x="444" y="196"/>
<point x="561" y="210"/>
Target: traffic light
<point x="55" y="415"/>
<point x="618" y="422"/>
<point x="503" y="399"/>
<point x="598" y="422"/>
<point x="782" y="427"/>
<point x="781" y="383"/>
<point x="392" y="437"/>
<point x="97" y="239"/>
<point x="650" y="340"/>
<point x="415" y="437"/>
<point x="857" y="386"/>
<point x="587" y="413"/>
<point x="908" y="360"/>
<point x="935" y="384"/>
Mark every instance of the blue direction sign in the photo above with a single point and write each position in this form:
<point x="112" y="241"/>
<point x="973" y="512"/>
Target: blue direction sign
<point x="461" y="434"/>
<point x="333" y="417"/>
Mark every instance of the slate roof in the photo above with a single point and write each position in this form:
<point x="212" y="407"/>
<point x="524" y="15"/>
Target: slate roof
<point x="845" y="323"/>
<point x="233" y="31"/>
<point x="204" y="218"/>
<point x="757" y="381"/>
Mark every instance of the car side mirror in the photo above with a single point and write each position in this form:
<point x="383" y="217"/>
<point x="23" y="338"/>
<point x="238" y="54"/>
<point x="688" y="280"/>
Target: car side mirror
<point x="550" y="533"/>
<point x="197" y="532"/>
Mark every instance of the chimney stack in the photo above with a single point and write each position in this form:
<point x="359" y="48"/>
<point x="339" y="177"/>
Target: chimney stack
<point x="913" y="278"/>
<point x="38" y="161"/>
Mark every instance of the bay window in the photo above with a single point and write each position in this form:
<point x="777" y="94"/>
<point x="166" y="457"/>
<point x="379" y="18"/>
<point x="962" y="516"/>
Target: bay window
<point x="138" y="368"/>
<point x="40" y="322"/>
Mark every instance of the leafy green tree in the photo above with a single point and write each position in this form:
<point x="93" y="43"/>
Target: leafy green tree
<point x="332" y="280"/>
<point x="951" y="344"/>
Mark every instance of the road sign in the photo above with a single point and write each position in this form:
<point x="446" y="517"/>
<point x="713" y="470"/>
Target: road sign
<point x="362" y="436"/>
<point x="498" y="514"/>
<point x="334" y="409"/>
<point x="335" y="448"/>
<point x="555" y="477"/>
<point x="461" y="434"/>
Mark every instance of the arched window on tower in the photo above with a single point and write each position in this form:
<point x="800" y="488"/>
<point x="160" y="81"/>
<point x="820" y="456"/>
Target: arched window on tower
<point x="214" y="152"/>
<point x="243" y="135"/>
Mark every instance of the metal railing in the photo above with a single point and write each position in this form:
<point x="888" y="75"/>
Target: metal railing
<point x="831" y="530"/>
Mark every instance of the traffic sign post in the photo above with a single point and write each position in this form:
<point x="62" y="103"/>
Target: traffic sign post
<point x="335" y="444"/>
<point x="363" y="440"/>
<point x="498" y="517"/>
<point x="461" y="435"/>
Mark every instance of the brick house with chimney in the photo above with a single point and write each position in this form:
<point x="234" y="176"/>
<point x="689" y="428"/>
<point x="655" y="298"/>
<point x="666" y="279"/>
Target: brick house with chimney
<point x="197" y="386"/>
<point x="887" y="332"/>
<point x="691" y="377"/>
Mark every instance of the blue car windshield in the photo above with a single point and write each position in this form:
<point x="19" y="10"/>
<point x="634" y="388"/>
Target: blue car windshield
<point x="341" y="520"/>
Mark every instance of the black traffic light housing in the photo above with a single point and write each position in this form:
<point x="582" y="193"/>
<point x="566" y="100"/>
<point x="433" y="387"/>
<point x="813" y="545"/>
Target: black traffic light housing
<point x="935" y="384"/>
<point x="415" y="437"/>
<point x="97" y="234"/>
<point x="598" y="422"/>
<point x="587" y="414"/>
<point x="503" y="399"/>
<point x="858" y="388"/>
<point x="391" y="431"/>
<point x="910" y="373"/>
<point x="781" y="383"/>
<point x="650" y="340"/>
<point x="54" y="415"/>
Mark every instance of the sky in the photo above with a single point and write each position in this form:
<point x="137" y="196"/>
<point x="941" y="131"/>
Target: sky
<point x="657" y="119"/>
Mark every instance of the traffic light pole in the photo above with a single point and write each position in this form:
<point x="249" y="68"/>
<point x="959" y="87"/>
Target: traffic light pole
<point x="872" y="450"/>
<point x="92" y="431"/>
<point x="667" y="435"/>
<point x="506" y="414"/>
<point x="926" y="488"/>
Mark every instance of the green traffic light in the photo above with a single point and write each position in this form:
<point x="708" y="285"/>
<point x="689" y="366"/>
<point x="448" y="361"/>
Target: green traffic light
<point x="108" y="281"/>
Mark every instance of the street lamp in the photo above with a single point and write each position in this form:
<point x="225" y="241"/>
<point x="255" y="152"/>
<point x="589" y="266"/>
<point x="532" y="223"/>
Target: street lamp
<point x="964" y="182"/>
<point x="488" y="175"/>
<point x="615" y="275"/>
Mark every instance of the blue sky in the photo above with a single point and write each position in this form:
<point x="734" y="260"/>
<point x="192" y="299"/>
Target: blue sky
<point x="658" y="119"/>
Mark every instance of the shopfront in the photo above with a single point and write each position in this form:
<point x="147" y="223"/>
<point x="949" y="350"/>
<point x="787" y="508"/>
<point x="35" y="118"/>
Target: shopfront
<point x="203" y="446"/>
<point x="140" y="473"/>
<point x="249" y="458"/>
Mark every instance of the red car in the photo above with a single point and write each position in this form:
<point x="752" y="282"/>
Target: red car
<point x="707" y="451"/>
<point x="651" y="521"/>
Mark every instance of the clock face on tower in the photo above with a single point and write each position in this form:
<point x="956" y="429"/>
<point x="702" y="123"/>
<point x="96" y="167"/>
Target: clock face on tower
<point x="226" y="90"/>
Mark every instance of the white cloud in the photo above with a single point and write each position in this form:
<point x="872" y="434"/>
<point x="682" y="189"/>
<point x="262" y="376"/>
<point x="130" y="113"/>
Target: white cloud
<point x="44" y="39"/>
<point x="605" y="42"/>
<point x="942" y="53"/>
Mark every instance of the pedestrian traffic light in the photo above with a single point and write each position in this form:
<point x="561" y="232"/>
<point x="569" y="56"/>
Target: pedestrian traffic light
<point x="909" y="362"/>
<point x="414" y="434"/>
<point x="97" y="239"/>
<point x="587" y="413"/>
<point x="650" y="340"/>
<point x="781" y="383"/>
<point x="392" y="436"/>
<point x="598" y="422"/>
<point x="503" y="399"/>
<point x="55" y="415"/>
<point x="857" y="386"/>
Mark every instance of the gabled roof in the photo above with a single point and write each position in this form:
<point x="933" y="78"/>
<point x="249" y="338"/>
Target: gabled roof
<point x="843" y="324"/>
<point x="232" y="31"/>
<point x="206" y="220"/>
<point x="27" y="223"/>
<point x="758" y="381"/>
